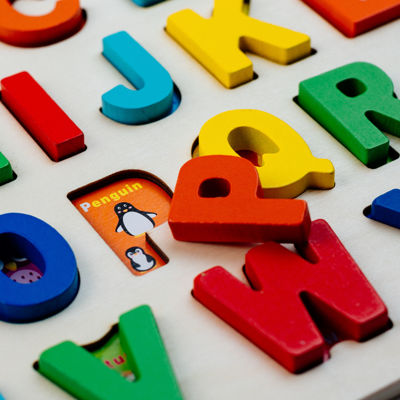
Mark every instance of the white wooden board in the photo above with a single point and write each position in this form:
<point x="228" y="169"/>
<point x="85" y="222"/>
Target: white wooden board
<point x="211" y="360"/>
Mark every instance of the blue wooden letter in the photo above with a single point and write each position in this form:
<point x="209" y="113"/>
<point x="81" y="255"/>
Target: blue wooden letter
<point x="153" y="98"/>
<point x="386" y="208"/>
<point x="49" y="251"/>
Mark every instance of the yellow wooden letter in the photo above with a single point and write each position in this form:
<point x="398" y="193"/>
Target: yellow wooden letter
<point x="286" y="165"/>
<point x="217" y="42"/>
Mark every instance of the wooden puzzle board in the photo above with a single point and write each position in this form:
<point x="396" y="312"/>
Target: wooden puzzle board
<point x="210" y="359"/>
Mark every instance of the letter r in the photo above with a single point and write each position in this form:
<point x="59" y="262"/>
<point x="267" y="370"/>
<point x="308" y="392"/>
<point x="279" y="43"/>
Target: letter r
<point x="355" y="103"/>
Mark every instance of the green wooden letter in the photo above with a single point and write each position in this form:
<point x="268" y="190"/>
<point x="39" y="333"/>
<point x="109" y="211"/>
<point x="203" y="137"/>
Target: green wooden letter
<point x="6" y="172"/>
<point x="85" y="377"/>
<point x="355" y="103"/>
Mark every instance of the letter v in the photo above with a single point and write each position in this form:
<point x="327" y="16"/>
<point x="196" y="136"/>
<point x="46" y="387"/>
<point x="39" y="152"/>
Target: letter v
<point x="85" y="377"/>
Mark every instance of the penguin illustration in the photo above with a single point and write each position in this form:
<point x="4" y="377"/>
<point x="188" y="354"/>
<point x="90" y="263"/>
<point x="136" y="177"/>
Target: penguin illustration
<point x="140" y="261"/>
<point x="133" y="221"/>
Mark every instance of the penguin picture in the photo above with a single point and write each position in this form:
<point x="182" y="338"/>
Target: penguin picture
<point x="140" y="261"/>
<point x="133" y="221"/>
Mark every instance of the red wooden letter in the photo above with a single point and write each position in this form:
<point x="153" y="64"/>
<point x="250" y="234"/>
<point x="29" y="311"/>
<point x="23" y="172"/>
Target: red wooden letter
<point x="353" y="17"/>
<point x="46" y="122"/>
<point x="273" y="315"/>
<point x="216" y="200"/>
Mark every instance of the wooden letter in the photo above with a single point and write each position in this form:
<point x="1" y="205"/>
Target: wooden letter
<point x="216" y="200"/>
<point x="355" y="103"/>
<point x="217" y="43"/>
<point x="286" y="166"/>
<point x="24" y="30"/>
<point x="273" y="315"/>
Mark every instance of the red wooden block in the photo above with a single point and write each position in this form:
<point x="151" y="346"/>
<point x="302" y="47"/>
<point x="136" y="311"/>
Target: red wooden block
<point x="216" y="200"/>
<point x="45" y="121"/>
<point x="353" y="17"/>
<point x="273" y="315"/>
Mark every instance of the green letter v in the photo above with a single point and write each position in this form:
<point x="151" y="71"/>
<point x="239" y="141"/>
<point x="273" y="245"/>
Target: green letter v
<point x="85" y="377"/>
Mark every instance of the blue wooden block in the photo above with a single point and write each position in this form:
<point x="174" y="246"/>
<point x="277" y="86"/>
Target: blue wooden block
<point x="50" y="252"/>
<point x="146" y="3"/>
<point x="154" y="96"/>
<point x="386" y="208"/>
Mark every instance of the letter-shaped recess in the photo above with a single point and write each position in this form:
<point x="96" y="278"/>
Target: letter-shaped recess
<point x="353" y="17"/>
<point x="386" y="208"/>
<point x="218" y="43"/>
<point x="273" y="315"/>
<point x="40" y="115"/>
<point x="6" y="172"/>
<point x="49" y="251"/>
<point x="216" y="200"/>
<point x="146" y="3"/>
<point x="24" y="30"/>
<point x="287" y="167"/>
<point x="154" y="98"/>
<point x="355" y="103"/>
<point x="124" y="208"/>
<point x="85" y="377"/>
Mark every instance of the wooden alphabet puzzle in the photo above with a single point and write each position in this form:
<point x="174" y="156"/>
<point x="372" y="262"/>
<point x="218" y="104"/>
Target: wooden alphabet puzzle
<point x="164" y="182"/>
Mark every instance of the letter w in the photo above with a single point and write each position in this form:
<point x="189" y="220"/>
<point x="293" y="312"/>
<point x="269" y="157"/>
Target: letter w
<point x="273" y="315"/>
